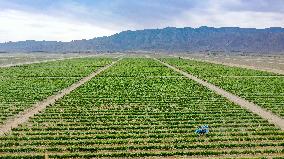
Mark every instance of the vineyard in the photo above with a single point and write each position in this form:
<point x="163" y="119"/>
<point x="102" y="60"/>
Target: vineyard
<point x="22" y="86"/>
<point x="262" y="88"/>
<point x="139" y="108"/>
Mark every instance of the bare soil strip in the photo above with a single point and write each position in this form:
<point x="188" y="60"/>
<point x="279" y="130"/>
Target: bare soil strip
<point x="40" y="106"/>
<point x="272" y="118"/>
<point x="248" y="67"/>
<point x="236" y="65"/>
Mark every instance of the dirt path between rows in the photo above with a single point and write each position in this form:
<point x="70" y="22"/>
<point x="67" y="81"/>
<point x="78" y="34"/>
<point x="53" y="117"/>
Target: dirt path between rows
<point x="236" y="65"/>
<point x="272" y="118"/>
<point x="40" y="106"/>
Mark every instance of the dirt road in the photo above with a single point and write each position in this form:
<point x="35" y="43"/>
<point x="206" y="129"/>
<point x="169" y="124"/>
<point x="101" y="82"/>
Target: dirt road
<point x="40" y="106"/>
<point x="272" y="118"/>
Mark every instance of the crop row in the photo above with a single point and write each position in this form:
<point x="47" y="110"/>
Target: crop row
<point x="22" y="86"/>
<point x="252" y="154"/>
<point x="123" y="113"/>
<point x="262" y="88"/>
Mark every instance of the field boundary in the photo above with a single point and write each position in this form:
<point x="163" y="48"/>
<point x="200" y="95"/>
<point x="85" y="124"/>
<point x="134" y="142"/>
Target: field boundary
<point x="50" y="60"/>
<point x="40" y="106"/>
<point x="265" y="114"/>
<point x="277" y="71"/>
<point x="35" y="62"/>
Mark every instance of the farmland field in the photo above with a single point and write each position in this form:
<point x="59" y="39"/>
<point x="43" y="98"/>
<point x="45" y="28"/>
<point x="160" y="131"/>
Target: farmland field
<point x="24" y="58"/>
<point x="266" y="62"/>
<point x="22" y="86"/>
<point x="262" y="88"/>
<point x="141" y="108"/>
<point x="12" y="59"/>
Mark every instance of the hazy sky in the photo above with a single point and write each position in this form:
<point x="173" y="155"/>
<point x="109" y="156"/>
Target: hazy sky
<point x="84" y="19"/>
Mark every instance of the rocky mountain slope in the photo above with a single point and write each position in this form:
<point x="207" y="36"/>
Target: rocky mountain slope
<point x="226" y="39"/>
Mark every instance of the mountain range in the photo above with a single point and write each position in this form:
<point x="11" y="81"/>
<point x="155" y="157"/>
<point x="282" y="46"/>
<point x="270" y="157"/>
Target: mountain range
<point x="202" y="39"/>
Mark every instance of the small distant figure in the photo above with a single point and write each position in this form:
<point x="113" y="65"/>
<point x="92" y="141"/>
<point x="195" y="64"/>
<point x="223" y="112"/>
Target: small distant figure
<point x="202" y="130"/>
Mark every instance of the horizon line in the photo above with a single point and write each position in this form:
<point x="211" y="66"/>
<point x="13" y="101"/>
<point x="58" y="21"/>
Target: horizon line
<point x="226" y="27"/>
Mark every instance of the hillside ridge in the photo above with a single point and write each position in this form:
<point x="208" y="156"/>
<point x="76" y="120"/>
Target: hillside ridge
<point x="202" y="39"/>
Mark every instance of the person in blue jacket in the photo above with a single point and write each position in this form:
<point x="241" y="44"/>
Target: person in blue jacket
<point x="202" y="130"/>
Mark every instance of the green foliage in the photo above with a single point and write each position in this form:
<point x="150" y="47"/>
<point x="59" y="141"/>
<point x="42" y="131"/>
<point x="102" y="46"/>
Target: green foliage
<point x="22" y="86"/>
<point x="136" y="110"/>
<point x="262" y="88"/>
